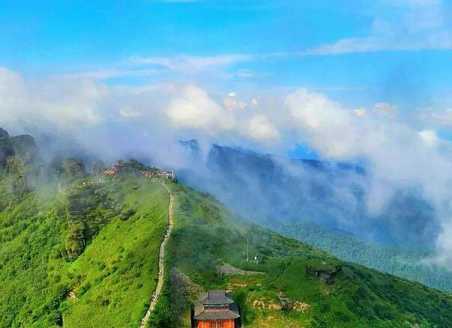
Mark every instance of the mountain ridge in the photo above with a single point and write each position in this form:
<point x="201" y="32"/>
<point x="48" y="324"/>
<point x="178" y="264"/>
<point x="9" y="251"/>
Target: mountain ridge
<point x="260" y="188"/>
<point x="82" y="249"/>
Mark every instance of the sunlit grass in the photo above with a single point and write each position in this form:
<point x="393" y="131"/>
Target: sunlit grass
<point x="108" y="285"/>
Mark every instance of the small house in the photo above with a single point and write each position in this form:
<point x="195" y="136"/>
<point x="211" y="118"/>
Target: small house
<point x="216" y="310"/>
<point x="170" y="175"/>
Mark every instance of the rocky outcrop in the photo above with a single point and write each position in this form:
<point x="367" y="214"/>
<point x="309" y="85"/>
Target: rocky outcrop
<point x="23" y="147"/>
<point x="3" y="133"/>
<point x="290" y="305"/>
<point x="6" y="148"/>
<point x="73" y="168"/>
<point x="324" y="272"/>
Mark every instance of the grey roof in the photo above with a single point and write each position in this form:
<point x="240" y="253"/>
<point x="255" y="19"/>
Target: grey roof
<point x="216" y="297"/>
<point x="215" y="305"/>
<point x="225" y="314"/>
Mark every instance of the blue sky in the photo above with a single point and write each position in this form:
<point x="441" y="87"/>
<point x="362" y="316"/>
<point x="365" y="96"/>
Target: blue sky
<point x="356" y="51"/>
<point x="112" y="30"/>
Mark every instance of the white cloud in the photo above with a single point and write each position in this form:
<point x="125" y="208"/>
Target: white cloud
<point x="385" y="108"/>
<point x="439" y="41"/>
<point x="194" y="109"/>
<point x="175" y="66"/>
<point x="399" y="156"/>
<point x="260" y="128"/>
<point x="360" y="112"/>
<point x="233" y="103"/>
<point x="11" y="85"/>
<point x="312" y="112"/>
<point x="192" y="64"/>
<point x="150" y="117"/>
<point x="70" y="104"/>
<point x="437" y="117"/>
<point x="110" y="73"/>
<point x="429" y="137"/>
<point x="129" y="112"/>
<point x="64" y="102"/>
<point x="413" y="3"/>
<point x="412" y="25"/>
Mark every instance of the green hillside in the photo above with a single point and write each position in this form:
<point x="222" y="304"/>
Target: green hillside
<point x="82" y="251"/>
<point x="286" y="292"/>
<point x="82" y="256"/>
<point x="409" y="264"/>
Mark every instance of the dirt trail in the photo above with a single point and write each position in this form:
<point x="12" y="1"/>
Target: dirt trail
<point x="162" y="269"/>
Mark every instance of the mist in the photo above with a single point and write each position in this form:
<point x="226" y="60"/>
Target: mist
<point x="393" y="158"/>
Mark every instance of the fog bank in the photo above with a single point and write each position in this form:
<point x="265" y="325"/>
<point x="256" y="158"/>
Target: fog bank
<point x="399" y="153"/>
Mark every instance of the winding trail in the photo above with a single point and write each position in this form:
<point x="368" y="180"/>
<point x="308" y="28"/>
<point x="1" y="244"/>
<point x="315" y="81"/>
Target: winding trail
<point x="162" y="269"/>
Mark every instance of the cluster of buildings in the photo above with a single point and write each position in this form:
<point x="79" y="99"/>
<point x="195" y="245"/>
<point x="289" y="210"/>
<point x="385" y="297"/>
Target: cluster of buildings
<point x="170" y="175"/>
<point x="126" y="168"/>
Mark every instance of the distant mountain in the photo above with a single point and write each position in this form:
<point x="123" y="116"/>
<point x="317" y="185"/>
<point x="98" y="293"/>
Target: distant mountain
<point x="272" y="191"/>
<point x="324" y="204"/>
<point x="6" y="147"/>
<point x="23" y="147"/>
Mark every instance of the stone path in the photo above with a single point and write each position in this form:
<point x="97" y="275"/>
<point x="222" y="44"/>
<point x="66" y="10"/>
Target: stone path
<point x="162" y="269"/>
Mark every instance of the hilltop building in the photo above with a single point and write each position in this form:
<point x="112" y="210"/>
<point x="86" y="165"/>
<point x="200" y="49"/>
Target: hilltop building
<point x="135" y="168"/>
<point x="216" y="310"/>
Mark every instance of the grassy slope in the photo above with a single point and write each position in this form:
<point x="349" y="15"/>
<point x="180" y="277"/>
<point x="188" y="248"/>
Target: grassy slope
<point x="207" y="235"/>
<point x="120" y="265"/>
<point x="399" y="262"/>
<point x="112" y="279"/>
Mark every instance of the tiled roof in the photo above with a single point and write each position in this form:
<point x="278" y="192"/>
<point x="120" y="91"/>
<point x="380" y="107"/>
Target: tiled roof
<point x="224" y="314"/>
<point x="216" y="297"/>
<point x="215" y="305"/>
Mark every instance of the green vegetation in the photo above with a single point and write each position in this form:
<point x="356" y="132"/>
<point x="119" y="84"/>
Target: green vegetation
<point x="82" y="251"/>
<point x="408" y="264"/>
<point x="300" y="286"/>
<point x="81" y="256"/>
